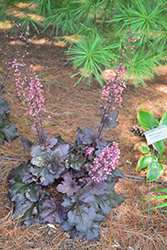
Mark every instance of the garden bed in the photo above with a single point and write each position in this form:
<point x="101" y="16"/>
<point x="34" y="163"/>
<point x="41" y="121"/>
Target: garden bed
<point x="125" y="227"/>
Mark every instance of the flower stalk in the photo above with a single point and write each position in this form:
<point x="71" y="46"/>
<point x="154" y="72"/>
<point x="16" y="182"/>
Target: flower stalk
<point x="112" y="91"/>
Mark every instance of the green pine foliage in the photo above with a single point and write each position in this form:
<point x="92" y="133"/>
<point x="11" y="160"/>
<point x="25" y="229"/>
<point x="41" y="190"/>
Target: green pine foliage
<point x="90" y="54"/>
<point x="98" y="26"/>
<point x="63" y="17"/>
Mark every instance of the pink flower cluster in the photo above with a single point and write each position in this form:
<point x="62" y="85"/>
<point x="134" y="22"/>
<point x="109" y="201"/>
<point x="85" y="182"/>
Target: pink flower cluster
<point x="112" y="91"/>
<point x="29" y="88"/>
<point x="105" y="163"/>
<point x="35" y="98"/>
<point x="31" y="92"/>
<point x="89" y="151"/>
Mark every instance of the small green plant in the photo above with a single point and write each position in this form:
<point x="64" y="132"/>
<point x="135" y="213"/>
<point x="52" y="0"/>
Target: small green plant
<point x="154" y="166"/>
<point x="147" y="120"/>
<point x="154" y="163"/>
<point x="164" y="197"/>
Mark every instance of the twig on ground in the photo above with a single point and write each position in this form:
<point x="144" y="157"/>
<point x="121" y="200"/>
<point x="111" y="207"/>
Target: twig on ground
<point x="12" y="159"/>
<point x="143" y="178"/>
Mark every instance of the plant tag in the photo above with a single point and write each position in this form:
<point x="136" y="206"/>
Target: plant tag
<point x="156" y="134"/>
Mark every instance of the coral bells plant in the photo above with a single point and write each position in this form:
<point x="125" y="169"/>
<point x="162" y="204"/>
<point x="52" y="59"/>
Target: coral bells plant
<point x="82" y="173"/>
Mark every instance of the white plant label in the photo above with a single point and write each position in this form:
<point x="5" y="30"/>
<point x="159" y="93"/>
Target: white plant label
<point x="156" y="134"/>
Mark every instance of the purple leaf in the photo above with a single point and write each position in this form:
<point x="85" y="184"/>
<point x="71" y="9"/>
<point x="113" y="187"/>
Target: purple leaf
<point x="47" y="174"/>
<point x="101" y="141"/>
<point x="4" y="106"/>
<point x="97" y="187"/>
<point x="79" y="139"/>
<point x="29" y="177"/>
<point x="110" y="120"/>
<point x="81" y="217"/>
<point x="89" y="136"/>
<point x="68" y="186"/>
<point x="91" y="233"/>
<point x="27" y="144"/>
<point x="14" y="172"/>
<point x="51" y="142"/>
<point x="52" y="211"/>
<point x="66" y="226"/>
<point x="60" y="152"/>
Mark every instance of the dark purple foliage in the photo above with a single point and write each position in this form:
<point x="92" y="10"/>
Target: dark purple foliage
<point x="82" y="217"/>
<point x="60" y="152"/>
<point x="51" y="142"/>
<point x="29" y="177"/>
<point x="89" y="136"/>
<point x="52" y="211"/>
<point x="19" y="170"/>
<point x="27" y="144"/>
<point x="4" y="106"/>
<point x="110" y="120"/>
<point x="84" y="203"/>
<point x="8" y="132"/>
<point x="97" y="187"/>
<point x="68" y="186"/>
<point x="47" y="175"/>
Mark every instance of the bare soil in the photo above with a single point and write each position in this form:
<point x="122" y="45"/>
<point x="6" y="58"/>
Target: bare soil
<point x="71" y="107"/>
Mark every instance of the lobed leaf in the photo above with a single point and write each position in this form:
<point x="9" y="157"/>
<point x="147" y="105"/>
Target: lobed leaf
<point x="17" y="190"/>
<point x="32" y="192"/>
<point x="7" y="131"/>
<point x="89" y="136"/>
<point x="74" y="161"/>
<point x="51" y="142"/>
<point x="60" y="152"/>
<point x="110" y="120"/>
<point x="20" y="170"/>
<point x="82" y="217"/>
<point x="4" y="106"/>
<point x="27" y="144"/>
<point x="52" y="211"/>
<point x="97" y="187"/>
<point x="29" y="178"/>
<point x="48" y="174"/>
<point x="41" y="158"/>
<point x="91" y="233"/>
<point x="110" y="199"/>
<point x="68" y="186"/>
<point x="27" y="211"/>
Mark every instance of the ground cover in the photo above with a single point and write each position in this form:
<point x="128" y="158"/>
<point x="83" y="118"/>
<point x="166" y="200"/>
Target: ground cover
<point x="125" y="227"/>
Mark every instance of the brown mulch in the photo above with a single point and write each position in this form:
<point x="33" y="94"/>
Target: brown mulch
<point x="69" y="108"/>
